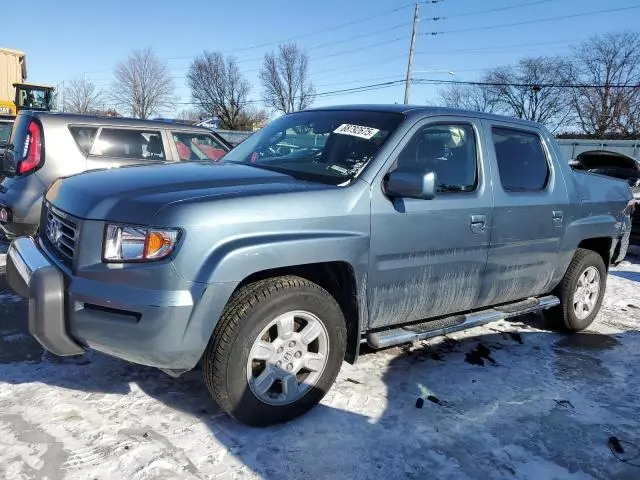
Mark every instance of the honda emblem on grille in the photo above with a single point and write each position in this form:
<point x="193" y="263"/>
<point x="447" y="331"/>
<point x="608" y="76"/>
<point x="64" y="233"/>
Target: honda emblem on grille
<point x="54" y="231"/>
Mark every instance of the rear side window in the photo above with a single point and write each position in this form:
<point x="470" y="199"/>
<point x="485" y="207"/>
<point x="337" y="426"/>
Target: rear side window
<point x="522" y="161"/>
<point x="129" y="143"/>
<point x="198" y="147"/>
<point x="84" y="137"/>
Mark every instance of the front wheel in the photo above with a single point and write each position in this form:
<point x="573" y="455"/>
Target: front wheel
<point x="581" y="292"/>
<point x="276" y="351"/>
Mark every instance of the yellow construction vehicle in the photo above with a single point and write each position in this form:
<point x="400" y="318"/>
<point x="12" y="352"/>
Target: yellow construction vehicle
<point x="15" y="95"/>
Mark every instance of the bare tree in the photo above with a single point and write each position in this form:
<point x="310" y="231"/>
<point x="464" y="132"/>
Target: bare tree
<point x="534" y="89"/>
<point x="82" y="96"/>
<point x="218" y="88"/>
<point x="252" y="118"/>
<point x="609" y="66"/>
<point x="469" y="97"/>
<point x="285" y="79"/>
<point x="143" y="85"/>
<point x="629" y="119"/>
<point x="188" y="114"/>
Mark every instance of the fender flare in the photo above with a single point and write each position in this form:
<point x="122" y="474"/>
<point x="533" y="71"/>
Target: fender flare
<point x="233" y="262"/>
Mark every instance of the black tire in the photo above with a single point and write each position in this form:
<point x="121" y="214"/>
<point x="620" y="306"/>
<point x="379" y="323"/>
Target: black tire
<point x="248" y="312"/>
<point x="563" y="317"/>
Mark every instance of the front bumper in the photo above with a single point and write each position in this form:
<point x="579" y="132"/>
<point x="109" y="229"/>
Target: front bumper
<point x="167" y="329"/>
<point x="31" y="275"/>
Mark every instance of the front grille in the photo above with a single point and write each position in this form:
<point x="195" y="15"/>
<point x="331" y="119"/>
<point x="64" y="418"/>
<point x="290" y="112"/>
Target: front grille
<point x="61" y="234"/>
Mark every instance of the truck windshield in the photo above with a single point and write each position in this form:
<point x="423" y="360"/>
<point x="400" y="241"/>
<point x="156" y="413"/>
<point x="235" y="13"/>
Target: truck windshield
<point x="34" y="98"/>
<point x="326" y="146"/>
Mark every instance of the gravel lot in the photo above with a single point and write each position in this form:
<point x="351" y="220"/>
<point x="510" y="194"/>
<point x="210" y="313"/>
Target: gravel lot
<point x="504" y="401"/>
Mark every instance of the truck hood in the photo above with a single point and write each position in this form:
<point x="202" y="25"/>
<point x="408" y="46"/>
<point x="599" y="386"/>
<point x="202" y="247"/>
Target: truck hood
<point x="135" y="194"/>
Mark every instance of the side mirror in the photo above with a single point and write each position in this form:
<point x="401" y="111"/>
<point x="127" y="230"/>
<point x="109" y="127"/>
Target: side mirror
<point x="411" y="184"/>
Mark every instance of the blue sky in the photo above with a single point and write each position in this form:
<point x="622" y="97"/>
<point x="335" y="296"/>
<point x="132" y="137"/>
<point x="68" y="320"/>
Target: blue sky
<point x="72" y="38"/>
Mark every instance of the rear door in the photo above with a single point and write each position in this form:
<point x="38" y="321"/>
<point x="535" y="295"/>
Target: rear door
<point x="116" y="147"/>
<point x="531" y="202"/>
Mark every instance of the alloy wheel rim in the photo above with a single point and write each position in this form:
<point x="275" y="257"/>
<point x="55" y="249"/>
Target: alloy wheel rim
<point x="587" y="292"/>
<point x="288" y="358"/>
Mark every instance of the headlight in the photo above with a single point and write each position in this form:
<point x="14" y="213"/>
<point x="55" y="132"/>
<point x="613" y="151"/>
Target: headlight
<point x="137" y="244"/>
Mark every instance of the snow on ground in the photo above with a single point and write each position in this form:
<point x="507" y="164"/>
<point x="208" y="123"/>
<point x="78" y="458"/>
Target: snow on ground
<point x="504" y="401"/>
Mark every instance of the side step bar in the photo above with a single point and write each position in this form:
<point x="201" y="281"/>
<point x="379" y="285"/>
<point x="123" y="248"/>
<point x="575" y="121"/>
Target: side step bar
<point x="442" y="326"/>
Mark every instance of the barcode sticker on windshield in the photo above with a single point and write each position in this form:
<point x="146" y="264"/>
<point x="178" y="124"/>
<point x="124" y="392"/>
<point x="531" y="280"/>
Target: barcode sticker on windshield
<point x="356" y="131"/>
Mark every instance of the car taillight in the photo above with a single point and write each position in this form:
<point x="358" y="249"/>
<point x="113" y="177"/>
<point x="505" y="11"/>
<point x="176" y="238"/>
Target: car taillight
<point x="32" y="154"/>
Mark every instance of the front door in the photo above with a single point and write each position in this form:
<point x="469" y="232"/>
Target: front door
<point x="529" y="217"/>
<point x="428" y="257"/>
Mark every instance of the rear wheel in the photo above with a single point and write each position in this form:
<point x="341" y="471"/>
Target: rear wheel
<point x="276" y="350"/>
<point x="581" y="292"/>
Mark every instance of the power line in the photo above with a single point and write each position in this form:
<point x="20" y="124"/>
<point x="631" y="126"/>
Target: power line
<point x="387" y="77"/>
<point x="328" y="29"/>
<point x="529" y="22"/>
<point x="490" y="10"/>
<point x="360" y="80"/>
<point x="524" y="85"/>
<point x="340" y="53"/>
<point x="497" y="49"/>
<point x="324" y="30"/>
<point x="393" y="83"/>
<point x="335" y="42"/>
<point x="331" y="93"/>
<point x="360" y="49"/>
<point x="363" y="35"/>
<point x="326" y="44"/>
<point x="330" y="55"/>
<point x="310" y="34"/>
<point x="357" y="66"/>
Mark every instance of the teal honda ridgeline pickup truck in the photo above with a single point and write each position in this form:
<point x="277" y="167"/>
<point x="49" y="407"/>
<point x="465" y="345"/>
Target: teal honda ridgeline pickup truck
<point x="329" y="227"/>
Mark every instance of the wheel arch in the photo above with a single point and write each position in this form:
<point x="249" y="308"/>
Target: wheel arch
<point x="603" y="246"/>
<point x="595" y="232"/>
<point x="339" y="279"/>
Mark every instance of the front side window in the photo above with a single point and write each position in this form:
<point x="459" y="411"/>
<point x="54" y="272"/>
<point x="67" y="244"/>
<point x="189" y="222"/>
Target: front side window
<point x="326" y="146"/>
<point x="198" y="147"/>
<point x="129" y="143"/>
<point x="522" y="161"/>
<point x="449" y="151"/>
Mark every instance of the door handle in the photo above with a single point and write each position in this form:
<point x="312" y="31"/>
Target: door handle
<point x="478" y="223"/>
<point x="557" y="218"/>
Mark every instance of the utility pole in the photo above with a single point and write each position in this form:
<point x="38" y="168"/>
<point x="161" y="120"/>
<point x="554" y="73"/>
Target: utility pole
<point x="407" y="84"/>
